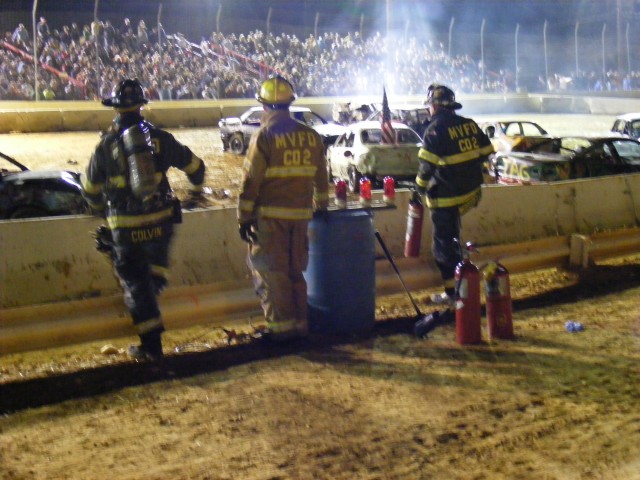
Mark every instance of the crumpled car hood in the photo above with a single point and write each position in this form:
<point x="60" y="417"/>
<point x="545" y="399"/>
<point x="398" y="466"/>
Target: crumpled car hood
<point x="538" y="157"/>
<point x="71" y="178"/>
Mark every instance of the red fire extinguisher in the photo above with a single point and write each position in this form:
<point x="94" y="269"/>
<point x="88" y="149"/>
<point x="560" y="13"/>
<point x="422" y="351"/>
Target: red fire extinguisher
<point x="498" y="300"/>
<point x="413" y="236"/>
<point x="468" y="312"/>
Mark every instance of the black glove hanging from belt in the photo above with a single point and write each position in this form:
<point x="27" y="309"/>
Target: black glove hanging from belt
<point x="248" y="231"/>
<point x="104" y="240"/>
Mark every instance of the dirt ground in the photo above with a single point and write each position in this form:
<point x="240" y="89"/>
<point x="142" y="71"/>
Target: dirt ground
<point x="548" y="405"/>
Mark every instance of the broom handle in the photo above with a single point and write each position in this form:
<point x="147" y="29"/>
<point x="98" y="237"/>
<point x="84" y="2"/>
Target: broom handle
<point x="395" y="267"/>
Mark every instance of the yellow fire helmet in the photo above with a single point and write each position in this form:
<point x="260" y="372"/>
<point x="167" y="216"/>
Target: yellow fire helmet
<point x="276" y="90"/>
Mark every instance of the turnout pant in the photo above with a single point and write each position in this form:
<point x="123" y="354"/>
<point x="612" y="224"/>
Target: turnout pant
<point x="446" y="227"/>
<point x="142" y="269"/>
<point x="277" y="261"/>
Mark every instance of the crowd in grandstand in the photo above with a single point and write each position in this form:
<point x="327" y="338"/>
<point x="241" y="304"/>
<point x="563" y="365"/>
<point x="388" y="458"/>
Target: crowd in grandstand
<point x="78" y="63"/>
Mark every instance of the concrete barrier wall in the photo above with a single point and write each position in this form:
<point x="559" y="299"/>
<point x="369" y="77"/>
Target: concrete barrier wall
<point x="55" y="116"/>
<point x="54" y="260"/>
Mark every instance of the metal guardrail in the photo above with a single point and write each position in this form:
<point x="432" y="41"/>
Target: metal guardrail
<point x="67" y="323"/>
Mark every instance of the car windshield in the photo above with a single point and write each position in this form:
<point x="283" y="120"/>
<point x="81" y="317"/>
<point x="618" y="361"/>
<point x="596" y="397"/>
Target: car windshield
<point x="308" y="118"/>
<point x="629" y="152"/>
<point x="252" y="116"/>
<point x="404" y="136"/>
<point x="521" y="128"/>
<point x="408" y="116"/>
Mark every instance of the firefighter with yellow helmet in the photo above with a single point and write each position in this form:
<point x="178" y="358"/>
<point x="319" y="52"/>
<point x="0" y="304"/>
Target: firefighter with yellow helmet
<point x="284" y="181"/>
<point x="126" y="183"/>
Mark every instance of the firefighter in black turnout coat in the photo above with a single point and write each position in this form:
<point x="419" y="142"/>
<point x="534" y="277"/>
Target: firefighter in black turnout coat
<point x="126" y="181"/>
<point x="450" y="174"/>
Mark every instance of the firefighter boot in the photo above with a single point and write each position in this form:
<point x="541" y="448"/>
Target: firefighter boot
<point x="150" y="348"/>
<point x="286" y="331"/>
<point x="446" y="298"/>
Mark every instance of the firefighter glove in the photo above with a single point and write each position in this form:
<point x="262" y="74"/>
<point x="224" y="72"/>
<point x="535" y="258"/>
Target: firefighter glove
<point x="104" y="239"/>
<point x="248" y="231"/>
<point x="421" y="190"/>
<point x="194" y="200"/>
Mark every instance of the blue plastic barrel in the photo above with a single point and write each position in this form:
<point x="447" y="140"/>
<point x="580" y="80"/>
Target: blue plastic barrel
<point x="341" y="273"/>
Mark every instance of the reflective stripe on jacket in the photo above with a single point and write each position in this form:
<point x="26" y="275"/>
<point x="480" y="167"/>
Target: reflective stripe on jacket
<point x="454" y="149"/>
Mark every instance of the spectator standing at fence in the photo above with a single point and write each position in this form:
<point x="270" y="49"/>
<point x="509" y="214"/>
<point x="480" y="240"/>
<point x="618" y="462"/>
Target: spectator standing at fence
<point x="450" y="174"/>
<point x="143" y="36"/>
<point x="21" y="36"/>
<point x="43" y="29"/>
<point x="96" y="30"/>
<point x="48" y="93"/>
<point x="126" y="35"/>
<point x="209" y="92"/>
<point x="108" y="35"/>
<point x="285" y="177"/>
<point x="75" y="31"/>
<point x="166" y="92"/>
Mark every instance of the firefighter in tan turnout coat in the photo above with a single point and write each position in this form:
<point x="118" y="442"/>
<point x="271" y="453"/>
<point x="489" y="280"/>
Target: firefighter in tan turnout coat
<point x="284" y="180"/>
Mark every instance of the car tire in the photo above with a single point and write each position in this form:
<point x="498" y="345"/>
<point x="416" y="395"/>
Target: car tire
<point x="28" y="212"/>
<point x="354" y="180"/>
<point x="237" y="144"/>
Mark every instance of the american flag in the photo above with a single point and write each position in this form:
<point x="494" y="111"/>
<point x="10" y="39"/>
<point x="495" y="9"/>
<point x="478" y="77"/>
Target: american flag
<point x="388" y="133"/>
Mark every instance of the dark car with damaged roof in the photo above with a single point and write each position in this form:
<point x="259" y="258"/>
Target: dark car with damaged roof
<point x="567" y="158"/>
<point x="28" y="193"/>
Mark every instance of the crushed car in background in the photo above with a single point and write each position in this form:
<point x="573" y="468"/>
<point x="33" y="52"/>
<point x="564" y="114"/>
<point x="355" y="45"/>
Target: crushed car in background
<point x="516" y="135"/>
<point x="346" y="113"/>
<point x="28" y="193"/>
<point x="415" y="116"/>
<point x="510" y="135"/>
<point x="567" y="158"/>
<point x="359" y="153"/>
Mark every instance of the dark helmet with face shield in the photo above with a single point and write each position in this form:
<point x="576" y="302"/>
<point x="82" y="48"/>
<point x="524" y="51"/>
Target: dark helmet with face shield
<point x="126" y="94"/>
<point x="276" y="91"/>
<point x="442" y="96"/>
